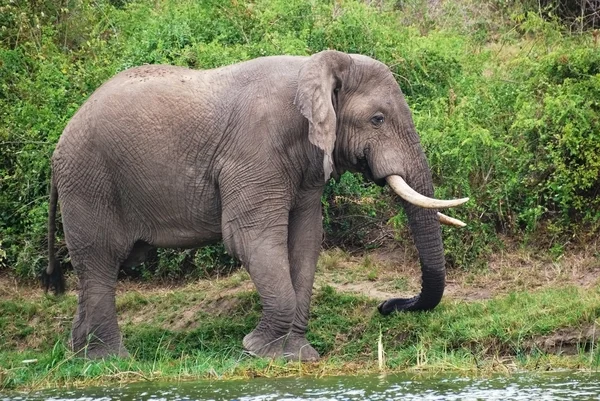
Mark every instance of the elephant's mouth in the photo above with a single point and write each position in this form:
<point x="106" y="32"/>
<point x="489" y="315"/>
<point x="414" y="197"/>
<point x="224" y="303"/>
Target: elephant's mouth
<point x="365" y="170"/>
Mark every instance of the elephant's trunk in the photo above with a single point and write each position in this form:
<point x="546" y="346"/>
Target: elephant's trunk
<point x="424" y="224"/>
<point x="426" y="232"/>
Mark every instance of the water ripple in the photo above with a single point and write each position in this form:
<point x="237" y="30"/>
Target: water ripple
<point x="544" y="387"/>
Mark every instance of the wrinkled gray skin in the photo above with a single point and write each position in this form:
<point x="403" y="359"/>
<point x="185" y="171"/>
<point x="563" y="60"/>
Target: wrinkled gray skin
<point x="163" y="156"/>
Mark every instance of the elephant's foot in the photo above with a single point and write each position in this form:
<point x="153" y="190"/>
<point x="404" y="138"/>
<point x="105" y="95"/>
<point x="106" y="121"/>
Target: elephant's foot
<point x="293" y="347"/>
<point x="297" y="348"/>
<point x="102" y="351"/>
<point x="258" y="344"/>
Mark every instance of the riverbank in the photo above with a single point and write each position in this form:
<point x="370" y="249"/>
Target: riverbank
<point x="525" y="311"/>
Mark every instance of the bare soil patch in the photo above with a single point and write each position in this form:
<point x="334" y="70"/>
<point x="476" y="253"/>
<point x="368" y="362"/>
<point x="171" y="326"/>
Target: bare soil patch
<point x="380" y="274"/>
<point x="178" y="306"/>
<point x="395" y="272"/>
<point x="570" y="341"/>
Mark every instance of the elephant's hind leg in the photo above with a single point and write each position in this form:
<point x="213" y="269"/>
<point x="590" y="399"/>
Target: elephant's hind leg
<point x="97" y="251"/>
<point x="95" y="332"/>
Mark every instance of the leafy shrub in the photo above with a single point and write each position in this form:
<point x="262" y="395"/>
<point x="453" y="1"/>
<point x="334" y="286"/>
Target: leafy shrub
<point x="175" y="264"/>
<point x="576" y="14"/>
<point x="355" y="213"/>
<point x="508" y="114"/>
<point x="562" y="132"/>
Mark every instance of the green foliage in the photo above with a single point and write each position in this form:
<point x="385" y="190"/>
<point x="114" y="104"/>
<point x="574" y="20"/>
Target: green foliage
<point x="577" y="15"/>
<point x="355" y="212"/>
<point x="505" y="101"/>
<point x="562" y="130"/>
<point x="207" y="262"/>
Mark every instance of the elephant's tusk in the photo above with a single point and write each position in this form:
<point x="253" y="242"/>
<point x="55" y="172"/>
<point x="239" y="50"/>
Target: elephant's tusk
<point x="450" y="221"/>
<point x="410" y="195"/>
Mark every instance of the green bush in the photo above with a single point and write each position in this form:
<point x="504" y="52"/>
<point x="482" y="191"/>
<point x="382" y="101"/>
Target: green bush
<point x="574" y="14"/>
<point x="355" y="213"/>
<point x="507" y="108"/>
<point x="562" y="134"/>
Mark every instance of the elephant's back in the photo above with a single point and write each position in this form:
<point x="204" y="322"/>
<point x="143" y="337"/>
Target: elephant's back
<point x="155" y="115"/>
<point x="138" y="146"/>
<point x="144" y="122"/>
<point x="144" y="105"/>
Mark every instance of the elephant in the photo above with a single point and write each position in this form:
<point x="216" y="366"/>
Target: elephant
<point x="166" y="156"/>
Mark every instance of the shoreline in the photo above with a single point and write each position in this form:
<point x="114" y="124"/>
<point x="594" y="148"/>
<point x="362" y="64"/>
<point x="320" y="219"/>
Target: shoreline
<point x="536" y="315"/>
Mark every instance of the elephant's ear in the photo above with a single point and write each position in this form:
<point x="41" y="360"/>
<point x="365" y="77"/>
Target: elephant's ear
<point x="319" y="77"/>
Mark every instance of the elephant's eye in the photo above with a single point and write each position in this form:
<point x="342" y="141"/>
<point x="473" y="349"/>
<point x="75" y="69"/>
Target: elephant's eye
<point x="377" y="119"/>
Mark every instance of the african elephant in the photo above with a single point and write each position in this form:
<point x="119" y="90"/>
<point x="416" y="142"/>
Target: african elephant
<point x="164" y="156"/>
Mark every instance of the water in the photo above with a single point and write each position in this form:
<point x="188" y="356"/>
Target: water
<point x="551" y="386"/>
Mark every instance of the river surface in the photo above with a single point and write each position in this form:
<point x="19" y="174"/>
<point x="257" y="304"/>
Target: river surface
<point x="538" y="386"/>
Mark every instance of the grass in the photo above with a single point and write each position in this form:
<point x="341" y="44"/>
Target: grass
<point x="195" y="330"/>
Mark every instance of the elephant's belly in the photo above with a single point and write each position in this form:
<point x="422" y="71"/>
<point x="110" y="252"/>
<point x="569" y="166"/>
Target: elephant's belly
<point x="179" y="217"/>
<point x="179" y="237"/>
<point x="190" y="228"/>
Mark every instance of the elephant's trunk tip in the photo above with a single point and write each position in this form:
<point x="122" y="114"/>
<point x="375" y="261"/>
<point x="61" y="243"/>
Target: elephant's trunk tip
<point x="415" y="303"/>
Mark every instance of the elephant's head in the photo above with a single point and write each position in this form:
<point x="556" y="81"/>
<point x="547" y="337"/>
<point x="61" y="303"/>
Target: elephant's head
<point x="358" y="116"/>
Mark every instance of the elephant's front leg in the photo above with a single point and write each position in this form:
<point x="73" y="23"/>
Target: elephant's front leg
<point x="305" y="237"/>
<point x="259" y="239"/>
<point x="268" y="266"/>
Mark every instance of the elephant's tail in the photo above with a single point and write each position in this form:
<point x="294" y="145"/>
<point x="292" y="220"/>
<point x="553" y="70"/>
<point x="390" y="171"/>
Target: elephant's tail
<point x="53" y="275"/>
